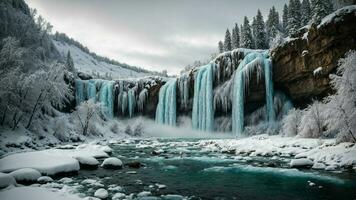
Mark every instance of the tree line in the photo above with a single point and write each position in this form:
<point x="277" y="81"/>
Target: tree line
<point x="260" y="34"/>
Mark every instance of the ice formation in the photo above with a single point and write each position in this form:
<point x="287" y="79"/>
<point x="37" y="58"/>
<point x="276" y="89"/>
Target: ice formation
<point x="203" y="110"/>
<point x="253" y="61"/>
<point x="166" y="112"/>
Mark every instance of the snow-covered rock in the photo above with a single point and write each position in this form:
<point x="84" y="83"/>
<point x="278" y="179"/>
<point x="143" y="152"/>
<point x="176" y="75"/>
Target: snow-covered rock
<point x="301" y="163"/>
<point x="112" y="162"/>
<point x="173" y="197"/>
<point x="337" y="15"/>
<point x="87" y="161"/>
<point x="26" y="174"/>
<point x="65" y="180"/>
<point x="6" y="180"/>
<point x="118" y="196"/>
<point x="101" y="193"/>
<point x="144" y="194"/>
<point x="35" y="193"/>
<point x="320" y="166"/>
<point x="44" y="179"/>
<point x="43" y="161"/>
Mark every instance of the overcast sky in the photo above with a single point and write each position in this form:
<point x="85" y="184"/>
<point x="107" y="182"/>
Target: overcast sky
<point x="154" y="34"/>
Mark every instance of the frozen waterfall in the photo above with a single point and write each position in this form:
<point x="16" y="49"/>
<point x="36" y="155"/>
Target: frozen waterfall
<point x="166" y="112"/>
<point x="260" y="62"/>
<point x="106" y="97"/>
<point x="203" y="111"/>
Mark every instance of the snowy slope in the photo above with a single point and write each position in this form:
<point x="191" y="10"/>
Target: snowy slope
<point x="86" y="63"/>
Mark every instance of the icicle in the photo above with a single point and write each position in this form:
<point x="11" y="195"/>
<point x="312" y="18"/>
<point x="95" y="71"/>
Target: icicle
<point x="203" y="111"/>
<point x="142" y="98"/>
<point x="166" y="112"/>
<point x="123" y="103"/>
<point x="131" y="101"/>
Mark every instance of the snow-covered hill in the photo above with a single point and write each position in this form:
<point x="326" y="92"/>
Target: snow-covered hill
<point x="86" y="63"/>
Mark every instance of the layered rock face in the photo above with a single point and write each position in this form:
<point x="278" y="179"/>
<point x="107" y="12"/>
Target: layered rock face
<point x="317" y="50"/>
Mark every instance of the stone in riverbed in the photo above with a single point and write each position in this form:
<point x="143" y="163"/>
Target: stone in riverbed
<point x="6" y="180"/>
<point x="87" y="162"/>
<point x="301" y="163"/>
<point x="101" y="193"/>
<point x="44" y="179"/>
<point x="118" y="196"/>
<point x="112" y="163"/>
<point x="135" y="164"/>
<point x="26" y="175"/>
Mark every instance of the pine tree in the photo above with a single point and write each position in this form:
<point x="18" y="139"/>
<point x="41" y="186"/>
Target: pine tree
<point x="293" y="16"/>
<point x="254" y="32"/>
<point x="306" y="12"/>
<point x="227" y="42"/>
<point x="320" y="9"/>
<point x="221" y="46"/>
<point x="235" y="37"/>
<point x="272" y="24"/>
<point x="285" y="18"/>
<point x="69" y="62"/>
<point x="246" y="35"/>
<point x="260" y="35"/>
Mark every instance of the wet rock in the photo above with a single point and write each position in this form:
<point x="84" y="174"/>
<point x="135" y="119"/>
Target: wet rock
<point x="135" y="164"/>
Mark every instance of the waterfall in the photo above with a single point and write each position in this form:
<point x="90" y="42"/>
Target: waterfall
<point x="79" y="91"/>
<point x="106" y="97"/>
<point x="131" y="101"/>
<point x="166" y="112"/>
<point x="91" y="89"/>
<point x="203" y="111"/>
<point x="184" y="90"/>
<point x="260" y="62"/>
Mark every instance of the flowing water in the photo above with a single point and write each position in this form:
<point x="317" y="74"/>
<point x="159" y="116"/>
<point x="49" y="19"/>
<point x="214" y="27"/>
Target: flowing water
<point x="186" y="169"/>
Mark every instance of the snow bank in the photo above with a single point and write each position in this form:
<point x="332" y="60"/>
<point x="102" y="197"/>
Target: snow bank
<point x="34" y="193"/>
<point x="43" y="161"/>
<point x="323" y="151"/>
<point x="301" y="163"/>
<point x="6" y="180"/>
<point x="54" y="161"/>
<point x="26" y="174"/>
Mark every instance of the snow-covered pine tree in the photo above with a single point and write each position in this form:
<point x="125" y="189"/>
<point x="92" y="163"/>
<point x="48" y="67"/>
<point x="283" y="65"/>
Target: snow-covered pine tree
<point x="246" y="35"/>
<point x="260" y="35"/>
<point x="227" y="42"/>
<point x="321" y="8"/>
<point x="293" y="16"/>
<point x="272" y="24"/>
<point x="254" y="32"/>
<point x="306" y="12"/>
<point x="285" y="18"/>
<point x="69" y="62"/>
<point x="221" y="46"/>
<point x="235" y="37"/>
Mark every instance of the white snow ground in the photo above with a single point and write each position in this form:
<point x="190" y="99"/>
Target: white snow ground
<point x="34" y="193"/>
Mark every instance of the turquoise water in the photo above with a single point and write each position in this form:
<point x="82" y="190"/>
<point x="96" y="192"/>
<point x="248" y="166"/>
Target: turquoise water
<point x="189" y="171"/>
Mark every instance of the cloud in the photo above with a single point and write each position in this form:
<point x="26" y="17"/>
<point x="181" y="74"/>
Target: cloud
<point x="155" y="34"/>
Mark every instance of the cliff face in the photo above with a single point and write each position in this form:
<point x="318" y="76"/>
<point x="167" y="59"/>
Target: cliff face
<point x="321" y="47"/>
